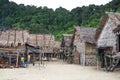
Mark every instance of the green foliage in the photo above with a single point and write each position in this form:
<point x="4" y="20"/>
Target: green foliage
<point x="46" y="20"/>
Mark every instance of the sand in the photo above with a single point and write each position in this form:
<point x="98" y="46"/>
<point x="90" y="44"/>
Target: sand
<point x="57" y="70"/>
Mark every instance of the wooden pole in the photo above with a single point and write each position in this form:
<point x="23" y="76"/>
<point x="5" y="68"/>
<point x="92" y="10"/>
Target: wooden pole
<point x="43" y="44"/>
<point x="9" y="59"/>
<point x="33" y="59"/>
<point x="39" y="59"/>
<point x="17" y="59"/>
<point x="97" y="64"/>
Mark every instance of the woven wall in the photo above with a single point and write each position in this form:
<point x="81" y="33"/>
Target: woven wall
<point x="90" y="60"/>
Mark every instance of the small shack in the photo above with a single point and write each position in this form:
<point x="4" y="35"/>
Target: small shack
<point x="107" y="40"/>
<point x="57" y="48"/>
<point x="84" y="46"/>
<point x="66" y="47"/>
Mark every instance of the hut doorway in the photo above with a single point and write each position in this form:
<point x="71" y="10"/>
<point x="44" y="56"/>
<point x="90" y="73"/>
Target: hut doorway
<point x="100" y="56"/>
<point x="118" y="43"/>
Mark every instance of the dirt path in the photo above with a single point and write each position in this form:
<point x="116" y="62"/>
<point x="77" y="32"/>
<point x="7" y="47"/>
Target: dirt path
<point x="57" y="71"/>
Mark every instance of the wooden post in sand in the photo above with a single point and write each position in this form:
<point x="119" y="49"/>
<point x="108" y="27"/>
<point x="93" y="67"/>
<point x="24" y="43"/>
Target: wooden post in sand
<point x="97" y="64"/>
<point x="9" y="59"/>
<point x="17" y="59"/>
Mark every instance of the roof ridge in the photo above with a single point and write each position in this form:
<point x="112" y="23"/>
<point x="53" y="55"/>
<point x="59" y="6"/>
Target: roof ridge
<point x="115" y="13"/>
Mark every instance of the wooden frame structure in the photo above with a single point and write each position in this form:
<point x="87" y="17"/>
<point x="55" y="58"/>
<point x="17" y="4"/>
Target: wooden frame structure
<point x="106" y="35"/>
<point x="83" y="44"/>
<point x="7" y="54"/>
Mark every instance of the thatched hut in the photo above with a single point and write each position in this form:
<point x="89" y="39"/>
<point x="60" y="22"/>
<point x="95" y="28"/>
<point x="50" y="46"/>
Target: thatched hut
<point x="44" y="41"/>
<point x="84" y="46"/>
<point x="105" y="36"/>
<point x="12" y="46"/>
<point x="66" y="46"/>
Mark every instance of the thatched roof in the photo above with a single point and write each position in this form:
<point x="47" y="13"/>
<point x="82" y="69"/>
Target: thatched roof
<point x="86" y="34"/>
<point x="57" y="44"/>
<point x="41" y="40"/>
<point x="117" y="30"/>
<point x="66" y="40"/>
<point x="32" y="39"/>
<point x="10" y="38"/>
<point x="115" y="17"/>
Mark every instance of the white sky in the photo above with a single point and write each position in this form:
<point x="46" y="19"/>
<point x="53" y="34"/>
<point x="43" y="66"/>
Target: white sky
<point x="68" y="4"/>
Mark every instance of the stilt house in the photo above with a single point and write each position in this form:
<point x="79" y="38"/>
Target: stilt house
<point x="44" y="41"/>
<point x="105" y="36"/>
<point x="12" y="44"/>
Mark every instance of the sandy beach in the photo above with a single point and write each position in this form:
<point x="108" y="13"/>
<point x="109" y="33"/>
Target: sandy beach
<point x="57" y="70"/>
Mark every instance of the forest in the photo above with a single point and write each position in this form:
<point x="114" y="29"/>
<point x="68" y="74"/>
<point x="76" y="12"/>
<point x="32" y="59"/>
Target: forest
<point x="48" y="21"/>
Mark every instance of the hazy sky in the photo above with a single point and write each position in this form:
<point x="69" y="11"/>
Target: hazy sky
<point x="68" y="4"/>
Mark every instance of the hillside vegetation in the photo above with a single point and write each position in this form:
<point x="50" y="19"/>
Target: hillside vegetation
<point x="46" y="20"/>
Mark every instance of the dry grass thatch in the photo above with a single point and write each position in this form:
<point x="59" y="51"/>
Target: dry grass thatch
<point x="41" y="40"/>
<point x="57" y="44"/>
<point x="115" y="17"/>
<point x="86" y="34"/>
<point x="10" y="38"/>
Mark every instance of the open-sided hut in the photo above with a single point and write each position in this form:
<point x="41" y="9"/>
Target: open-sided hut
<point x="44" y="41"/>
<point x="105" y="36"/>
<point x="84" y="46"/>
<point x="12" y="43"/>
<point x="10" y="57"/>
<point x="13" y="38"/>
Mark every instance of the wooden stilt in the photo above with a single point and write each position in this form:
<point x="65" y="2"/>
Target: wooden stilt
<point x="9" y="59"/>
<point x="17" y="59"/>
<point x="97" y="64"/>
<point x="39" y="59"/>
